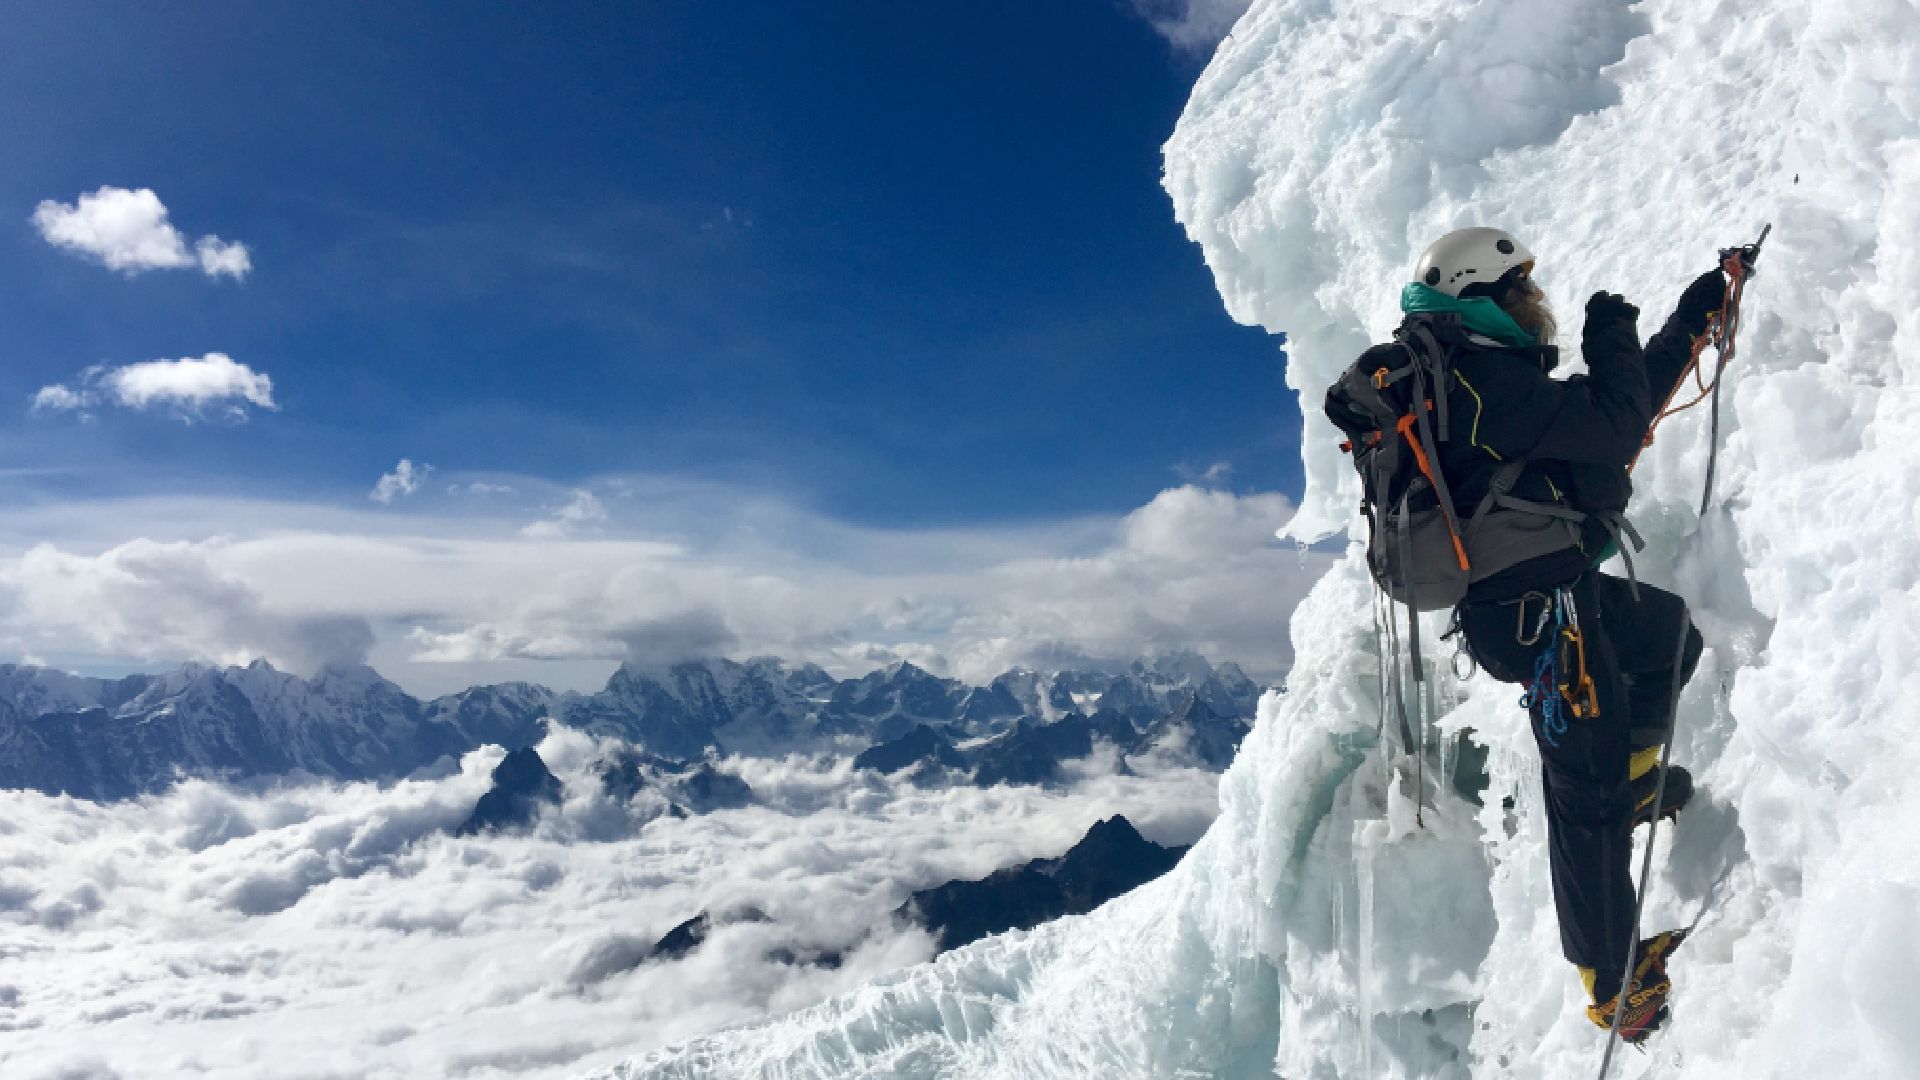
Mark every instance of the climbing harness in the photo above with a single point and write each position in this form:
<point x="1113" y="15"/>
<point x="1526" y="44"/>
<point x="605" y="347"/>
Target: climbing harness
<point x="1561" y="684"/>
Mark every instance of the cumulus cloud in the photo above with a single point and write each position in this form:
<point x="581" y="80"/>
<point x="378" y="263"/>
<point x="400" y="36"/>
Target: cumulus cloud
<point x="213" y="930"/>
<point x="189" y="387"/>
<point x="128" y="230"/>
<point x="403" y="480"/>
<point x="1192" y="25"/>
<point x="166" y="602"/>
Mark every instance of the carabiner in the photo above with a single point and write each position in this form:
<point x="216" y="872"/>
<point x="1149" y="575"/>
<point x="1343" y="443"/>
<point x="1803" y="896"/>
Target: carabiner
<point x="1473" y="665"/>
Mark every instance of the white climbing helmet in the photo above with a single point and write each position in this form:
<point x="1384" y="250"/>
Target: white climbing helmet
<point x="1464" y="257"/>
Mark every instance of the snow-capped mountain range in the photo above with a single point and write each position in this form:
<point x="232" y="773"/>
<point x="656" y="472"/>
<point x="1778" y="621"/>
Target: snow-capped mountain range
<point x="114" y="738"/>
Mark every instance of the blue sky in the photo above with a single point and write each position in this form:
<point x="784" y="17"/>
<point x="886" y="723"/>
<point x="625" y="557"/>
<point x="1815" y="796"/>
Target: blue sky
<point x="803" y="290"/>
<point x="910" y="263"/>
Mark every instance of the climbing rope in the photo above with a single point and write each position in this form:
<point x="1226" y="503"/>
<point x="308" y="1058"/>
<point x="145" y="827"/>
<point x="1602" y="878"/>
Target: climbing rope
<point x="1723" y="329"/>
<point x="1722" y="332"/>
<point x="1653" y="831"/>
<point x="1739" y="266"/>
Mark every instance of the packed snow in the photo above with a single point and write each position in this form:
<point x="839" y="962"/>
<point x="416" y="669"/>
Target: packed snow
<point x="1317" y="929"/>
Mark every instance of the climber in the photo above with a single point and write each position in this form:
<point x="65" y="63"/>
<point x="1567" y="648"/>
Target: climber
<point x="1595" y="650"/>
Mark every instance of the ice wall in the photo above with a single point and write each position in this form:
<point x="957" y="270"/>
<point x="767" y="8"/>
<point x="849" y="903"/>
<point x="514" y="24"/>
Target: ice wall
<point x="1317" y="930"/>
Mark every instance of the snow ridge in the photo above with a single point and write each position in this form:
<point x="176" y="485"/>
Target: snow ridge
<point x="1315" y="930"/>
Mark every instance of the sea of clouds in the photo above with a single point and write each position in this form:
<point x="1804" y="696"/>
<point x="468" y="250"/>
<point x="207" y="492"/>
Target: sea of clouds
<point x="326" y="930"/>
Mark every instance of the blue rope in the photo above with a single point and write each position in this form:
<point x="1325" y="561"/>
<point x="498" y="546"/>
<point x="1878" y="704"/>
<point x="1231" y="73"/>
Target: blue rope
<point x="1544" y="690"/>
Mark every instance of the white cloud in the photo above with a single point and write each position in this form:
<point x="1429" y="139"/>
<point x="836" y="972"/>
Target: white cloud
<point x="480" y="488"/>
<point x="188" y="386"/>
<point x="166" y="602"/>
<point x="674" y="569"/>
<point x="193" y="383"/>
<point x="1215" y="475"/>
<point x="403" y="480"/>
<point x="56" y="398"/>
<point x="213" y="930"/>
<point x="128" y="230"/>
<point x="583" y="511"/>
<point x="1192" y="25"/>
<point x="1192" y="569"/>
<point x="219" y="257"/>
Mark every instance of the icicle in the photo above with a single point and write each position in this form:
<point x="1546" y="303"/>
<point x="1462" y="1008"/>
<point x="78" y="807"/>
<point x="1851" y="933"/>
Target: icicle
<point x="1364" y="926"/>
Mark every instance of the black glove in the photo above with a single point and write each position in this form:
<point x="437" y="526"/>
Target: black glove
<point x="1702" y="298"/>
<point x="1604" y="307"/>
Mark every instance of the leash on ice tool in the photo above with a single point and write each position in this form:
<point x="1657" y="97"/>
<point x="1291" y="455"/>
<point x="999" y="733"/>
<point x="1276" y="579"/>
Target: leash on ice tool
<point x="1723" y="330"/>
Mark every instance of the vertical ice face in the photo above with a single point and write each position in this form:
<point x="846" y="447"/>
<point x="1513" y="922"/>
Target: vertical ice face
<point x="1326" y="143"/>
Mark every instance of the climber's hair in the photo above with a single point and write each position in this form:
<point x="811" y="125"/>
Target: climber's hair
<point x="1529" y="307"/>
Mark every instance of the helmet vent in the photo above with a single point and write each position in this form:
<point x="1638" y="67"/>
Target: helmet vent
<point x="1504" y="245"/>
<point x="1433" y="276"/>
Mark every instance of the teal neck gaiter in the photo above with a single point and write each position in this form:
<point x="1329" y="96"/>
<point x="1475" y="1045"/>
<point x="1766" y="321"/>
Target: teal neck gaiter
<point x="1479" y="314"/>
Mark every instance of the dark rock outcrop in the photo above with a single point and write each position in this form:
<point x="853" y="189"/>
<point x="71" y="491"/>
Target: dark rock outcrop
<point x="1192" y="727"/>
<point x="693" y="933"/>
<point x="683" y="939"/>
<point x="507" y="715"/>
<point x="1111" y="859"/>
<point x="888" y="703"/>
<point x="1032" y="753"/>
<point x="522" y="784"/>
<point x="696" y="786"/>
<point x="922" y="745"/>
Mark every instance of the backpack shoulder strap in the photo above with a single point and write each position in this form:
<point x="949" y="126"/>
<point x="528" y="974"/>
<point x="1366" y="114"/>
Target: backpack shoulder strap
<point x="1428" y="339"/>
<point x="1502" y="482"/>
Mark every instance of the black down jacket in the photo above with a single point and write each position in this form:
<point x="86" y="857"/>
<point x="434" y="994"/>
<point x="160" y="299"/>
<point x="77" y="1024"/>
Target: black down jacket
<point x="1577" y="435"/>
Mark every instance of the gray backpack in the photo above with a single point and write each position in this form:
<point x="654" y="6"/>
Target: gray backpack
<point x="1422" y="551"/>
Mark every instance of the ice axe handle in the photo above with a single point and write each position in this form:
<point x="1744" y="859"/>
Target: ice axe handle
<point x="1746" y="255"/>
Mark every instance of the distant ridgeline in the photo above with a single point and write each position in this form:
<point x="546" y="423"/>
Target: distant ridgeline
<point x="116" y="738"/>
<point x="1112" y="859"/>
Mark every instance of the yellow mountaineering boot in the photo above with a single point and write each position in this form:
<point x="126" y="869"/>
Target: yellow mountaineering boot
<point x="1646" y="993"/>
<point x="1643" y="775"/>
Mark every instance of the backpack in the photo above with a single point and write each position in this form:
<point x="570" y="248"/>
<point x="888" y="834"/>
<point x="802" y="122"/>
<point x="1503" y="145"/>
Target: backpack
<point x="1421" y="550"/>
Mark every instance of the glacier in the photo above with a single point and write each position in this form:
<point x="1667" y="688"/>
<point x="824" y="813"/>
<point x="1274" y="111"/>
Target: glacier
<point x="1318" y="930"/>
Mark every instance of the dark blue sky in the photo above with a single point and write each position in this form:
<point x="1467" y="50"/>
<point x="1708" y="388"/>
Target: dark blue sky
<point x="907" y="263"/>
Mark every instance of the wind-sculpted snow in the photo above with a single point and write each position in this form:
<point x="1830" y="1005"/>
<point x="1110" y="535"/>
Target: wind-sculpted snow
<point x="1317" y="930"/>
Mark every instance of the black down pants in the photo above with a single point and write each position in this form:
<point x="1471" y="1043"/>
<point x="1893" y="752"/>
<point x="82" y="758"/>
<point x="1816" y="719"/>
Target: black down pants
<point x="1630" y="647"/>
